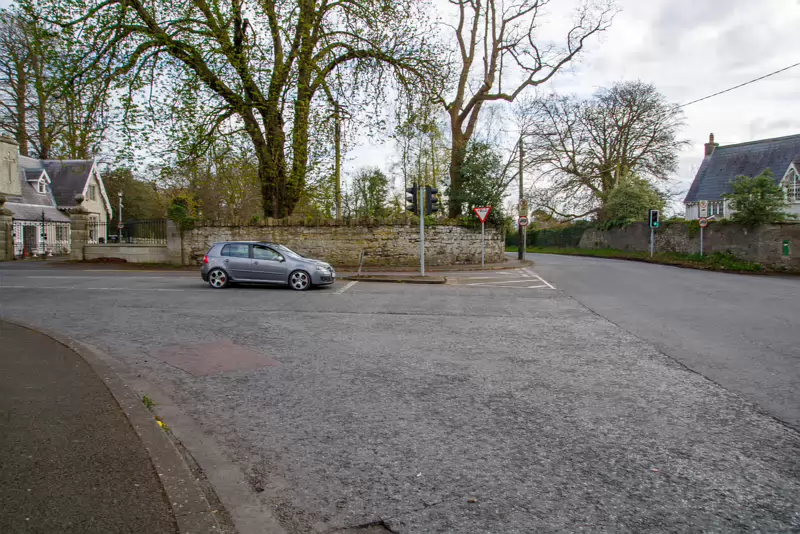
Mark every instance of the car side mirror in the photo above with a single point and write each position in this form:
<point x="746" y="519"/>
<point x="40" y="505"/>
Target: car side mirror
<point x="282" y="259"/>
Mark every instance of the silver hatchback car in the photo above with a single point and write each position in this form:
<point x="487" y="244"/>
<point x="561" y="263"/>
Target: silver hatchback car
<point x="262" y="263"/>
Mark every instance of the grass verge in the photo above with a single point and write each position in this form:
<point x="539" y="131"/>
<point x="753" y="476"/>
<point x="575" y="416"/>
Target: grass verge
<point x="719" y="261"/>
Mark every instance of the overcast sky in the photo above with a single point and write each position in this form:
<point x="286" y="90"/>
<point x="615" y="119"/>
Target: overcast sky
<point x="688" y="49"/>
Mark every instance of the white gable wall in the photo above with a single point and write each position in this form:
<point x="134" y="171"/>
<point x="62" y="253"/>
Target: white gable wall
<point x="96" y="206"/>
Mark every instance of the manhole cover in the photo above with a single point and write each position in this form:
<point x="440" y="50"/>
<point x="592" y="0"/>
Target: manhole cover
<point x="208" y="359"/>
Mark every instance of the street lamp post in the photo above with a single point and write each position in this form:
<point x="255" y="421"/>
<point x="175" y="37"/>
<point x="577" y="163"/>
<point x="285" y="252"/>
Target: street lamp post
<point x="119" y="225"/>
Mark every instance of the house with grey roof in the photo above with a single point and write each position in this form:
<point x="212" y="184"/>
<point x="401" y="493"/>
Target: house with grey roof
<point x="722" y="164"/>
<point x="43" y="196"/>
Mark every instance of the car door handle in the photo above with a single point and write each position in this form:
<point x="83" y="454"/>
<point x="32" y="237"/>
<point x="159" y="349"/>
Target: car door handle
<point x="226" y="261"/>
<point x="255" y="263"/>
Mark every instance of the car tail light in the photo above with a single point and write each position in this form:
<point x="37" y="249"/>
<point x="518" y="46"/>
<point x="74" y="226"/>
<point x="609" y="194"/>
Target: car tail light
<point x="205" y="258"/>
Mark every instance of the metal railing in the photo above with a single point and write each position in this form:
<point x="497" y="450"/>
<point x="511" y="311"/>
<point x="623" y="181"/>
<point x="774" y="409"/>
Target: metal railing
<point x="98" y="232"/>
<point x="144" y="232"/>
<point x="36" y="239"/>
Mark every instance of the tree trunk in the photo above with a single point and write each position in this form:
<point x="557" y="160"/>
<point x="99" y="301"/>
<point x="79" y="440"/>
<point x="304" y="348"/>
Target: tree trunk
<point x="297" y="180"/>
<point x="22" y="110"/>
<point x="293" y="188"/>
<point x="458" y="154"/>
<point x="270" y="151"/>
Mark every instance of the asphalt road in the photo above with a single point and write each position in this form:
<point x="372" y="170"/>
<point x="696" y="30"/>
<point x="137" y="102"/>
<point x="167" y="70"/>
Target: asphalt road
<point x="739" y="331"/>
<point x="69" y="459"/>
<point x="493" y="404"/>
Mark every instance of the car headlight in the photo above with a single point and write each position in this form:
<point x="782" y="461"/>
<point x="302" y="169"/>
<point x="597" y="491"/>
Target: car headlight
<point x="324" y="270"/>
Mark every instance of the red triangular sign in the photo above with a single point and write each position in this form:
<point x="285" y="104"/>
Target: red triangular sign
<point x="483" y="213"/>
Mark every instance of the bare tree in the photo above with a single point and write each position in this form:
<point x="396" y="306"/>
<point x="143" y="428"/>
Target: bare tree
<point x="52" y="101"/>
<point x="498" y="41"/>
<point x="14" y="75"/>
<point x="581" y="148"/>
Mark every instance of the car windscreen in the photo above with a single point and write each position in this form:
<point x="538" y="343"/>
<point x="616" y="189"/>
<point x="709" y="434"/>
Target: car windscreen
<point x="288" y="251"/>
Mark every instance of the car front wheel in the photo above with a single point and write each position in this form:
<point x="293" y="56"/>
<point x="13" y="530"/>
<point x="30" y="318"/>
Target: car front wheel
<point x="299" y="280"/>
<point x="218" y="279"/>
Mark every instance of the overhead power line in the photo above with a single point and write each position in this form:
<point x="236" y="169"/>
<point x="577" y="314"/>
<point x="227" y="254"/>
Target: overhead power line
<point x="738" y="86"/>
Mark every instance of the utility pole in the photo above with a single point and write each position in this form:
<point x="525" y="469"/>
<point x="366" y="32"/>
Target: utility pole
<point x="520" y="228"/>
<point x="338" y="166"/>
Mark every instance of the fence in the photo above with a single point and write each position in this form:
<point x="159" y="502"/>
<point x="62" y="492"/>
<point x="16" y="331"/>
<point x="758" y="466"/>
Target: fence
<point x="37" y="238"/>
<point x="144" y="232"/>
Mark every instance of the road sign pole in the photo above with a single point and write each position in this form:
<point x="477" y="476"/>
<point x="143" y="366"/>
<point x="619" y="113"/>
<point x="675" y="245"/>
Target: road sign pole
<point x="483" y="244"/>
<point x="524" y="241"/>
<point x="701" y="241"/>
<point x="483" y="215"/>
<point x="421" y="230"/>
<point x="652" y="241"/>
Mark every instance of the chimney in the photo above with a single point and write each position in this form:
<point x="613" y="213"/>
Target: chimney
<point x="711" y="145"/>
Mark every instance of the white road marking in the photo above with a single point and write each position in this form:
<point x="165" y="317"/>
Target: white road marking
<point x="115" y="277"/>
<point x="347" y="286"/>
<point x="49" y="277"/>
<point x="548" y="284"/>
<point x="501" y="282"/>
<point x="488" y="276"/>
<point x="93" y="288"/>
<point x="177" y="272"/>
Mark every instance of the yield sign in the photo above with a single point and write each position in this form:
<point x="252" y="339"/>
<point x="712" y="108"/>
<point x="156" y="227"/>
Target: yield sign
<point x="483" y="213"/>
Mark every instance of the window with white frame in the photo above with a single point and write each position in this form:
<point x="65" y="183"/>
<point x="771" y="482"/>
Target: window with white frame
<point x="41" y="186"/>
<point x="791" y="184"/>
<point x="92" y="192"/>
<point x="716" y="209"/>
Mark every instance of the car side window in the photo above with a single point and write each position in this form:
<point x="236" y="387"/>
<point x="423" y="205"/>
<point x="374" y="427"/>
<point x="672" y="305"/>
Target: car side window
<point x="265" y="253"/>
<point x="236" y="250"/>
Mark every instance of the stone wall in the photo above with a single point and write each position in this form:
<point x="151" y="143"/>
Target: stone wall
<point x="763" y="244"/>
<point x="383" y="245"/>
<point x="129" y="253"/>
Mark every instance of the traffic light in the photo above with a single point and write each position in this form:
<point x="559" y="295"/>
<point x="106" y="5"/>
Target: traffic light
<point x="431" y="200"/>
<point x="654" y="219"/>
<point x="411" y="200"/>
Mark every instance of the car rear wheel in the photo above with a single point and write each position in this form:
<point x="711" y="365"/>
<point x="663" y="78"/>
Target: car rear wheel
<point x="218" y="279"/>
<point x="299" y="280"/>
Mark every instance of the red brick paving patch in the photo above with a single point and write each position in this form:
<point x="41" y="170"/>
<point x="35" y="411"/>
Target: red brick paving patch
<point x="208" y="359"/>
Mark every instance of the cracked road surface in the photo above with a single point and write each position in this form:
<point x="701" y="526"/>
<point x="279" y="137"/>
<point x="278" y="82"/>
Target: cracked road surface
<point x="447" y="408"/>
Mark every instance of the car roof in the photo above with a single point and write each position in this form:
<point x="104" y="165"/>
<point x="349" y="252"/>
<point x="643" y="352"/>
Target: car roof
<point x="246" y="243"/>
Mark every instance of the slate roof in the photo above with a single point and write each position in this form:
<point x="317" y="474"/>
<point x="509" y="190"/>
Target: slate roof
<point x="749" y="159"/>
<point x="67" y="178"/>
<point x="30" y="205"/>
<point x="24" y="212"/>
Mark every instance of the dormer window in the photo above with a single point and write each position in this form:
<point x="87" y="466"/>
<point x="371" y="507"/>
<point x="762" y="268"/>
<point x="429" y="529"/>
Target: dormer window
<point x="41" y="186"/>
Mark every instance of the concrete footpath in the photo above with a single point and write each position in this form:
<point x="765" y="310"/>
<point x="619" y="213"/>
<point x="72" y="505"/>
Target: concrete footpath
<point x="69" y="459"/>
